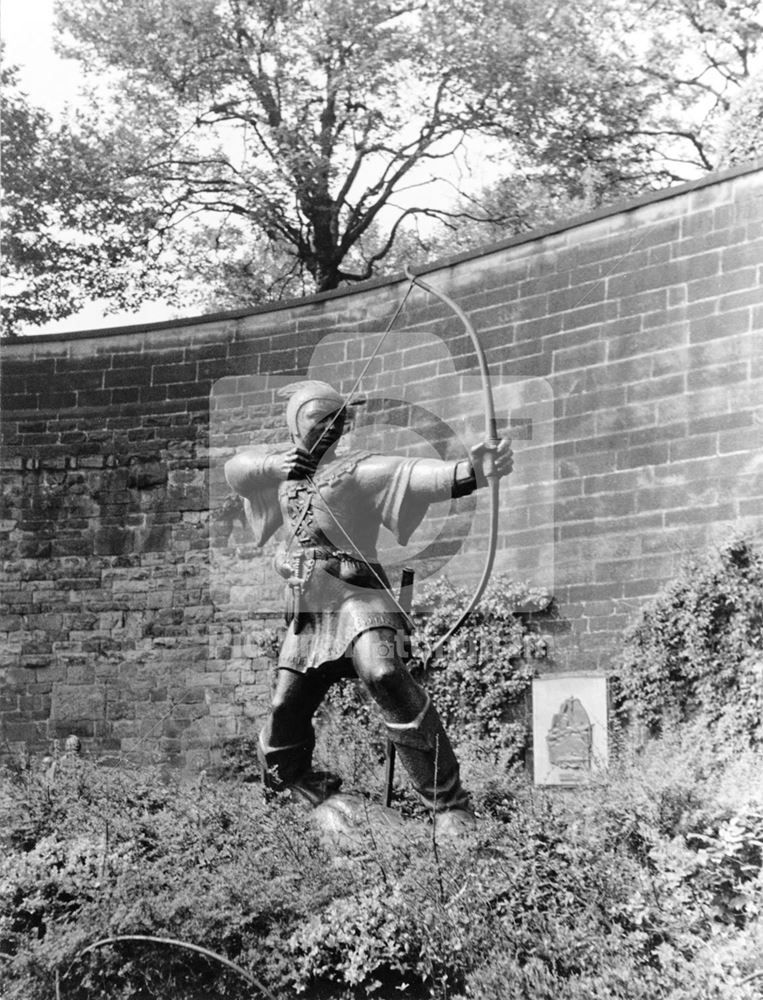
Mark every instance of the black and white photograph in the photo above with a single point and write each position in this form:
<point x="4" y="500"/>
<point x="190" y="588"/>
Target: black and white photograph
<point x="381" y="596"/>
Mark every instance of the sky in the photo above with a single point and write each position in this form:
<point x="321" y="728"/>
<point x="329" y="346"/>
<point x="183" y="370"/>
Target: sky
<point x="26" y="28"/>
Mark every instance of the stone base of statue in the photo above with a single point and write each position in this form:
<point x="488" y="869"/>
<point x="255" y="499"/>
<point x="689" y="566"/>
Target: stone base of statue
<point x="455" y="824"/>
<point x="349" y="818"/>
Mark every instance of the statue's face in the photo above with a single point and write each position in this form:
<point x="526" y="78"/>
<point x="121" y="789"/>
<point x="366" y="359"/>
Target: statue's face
<point x="320" y="425"/>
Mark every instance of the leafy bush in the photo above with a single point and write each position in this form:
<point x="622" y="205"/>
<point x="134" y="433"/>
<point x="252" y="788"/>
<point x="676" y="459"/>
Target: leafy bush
<point x="645" y="885"/>
<point x="731" y="856"/>
<point x="237" y="758"/>
<point x="130" y="853"/>
<point x="602" y="896"/>
<point x="697" y="648"/>
<point x="480" y="680"/>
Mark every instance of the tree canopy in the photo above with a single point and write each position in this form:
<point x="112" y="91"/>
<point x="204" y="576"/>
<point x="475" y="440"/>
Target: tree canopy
<point x="255" y="148"/>
<point x="694" y="72"/>
<point x="74" y="226"/>
<point x="304" y="119"/>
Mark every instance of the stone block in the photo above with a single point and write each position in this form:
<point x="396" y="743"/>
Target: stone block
<point x="184" y="710"/>
<point x="112" y="541"/>
<point x="82" y="672"/>
<point x="78" y="701"/>
<point x="18" y="730"/>
<point x="713" y="326"/>
<point x="59" y="729"/>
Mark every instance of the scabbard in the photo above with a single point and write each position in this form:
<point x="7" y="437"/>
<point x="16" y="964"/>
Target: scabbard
<point x="405" y="602"/>
<point x="298" y="597"/>
<point x="293" y="598"/>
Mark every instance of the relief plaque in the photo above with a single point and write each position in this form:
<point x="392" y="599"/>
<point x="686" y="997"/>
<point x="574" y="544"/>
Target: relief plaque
<point x="570" y="740"/>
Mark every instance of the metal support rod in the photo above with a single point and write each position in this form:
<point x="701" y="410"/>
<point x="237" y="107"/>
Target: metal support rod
<point x="405" y="600"/>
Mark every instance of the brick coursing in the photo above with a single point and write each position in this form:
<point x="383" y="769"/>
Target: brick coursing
<point x="132" y="597"/>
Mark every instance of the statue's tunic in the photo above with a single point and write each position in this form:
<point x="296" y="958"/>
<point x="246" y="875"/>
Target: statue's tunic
<point x="331" y="541"/>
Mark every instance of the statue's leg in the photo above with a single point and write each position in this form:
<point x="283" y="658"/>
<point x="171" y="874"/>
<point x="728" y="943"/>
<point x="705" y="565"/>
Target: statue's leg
<point x="411" y="720"/>
<point x="287" y="740"/>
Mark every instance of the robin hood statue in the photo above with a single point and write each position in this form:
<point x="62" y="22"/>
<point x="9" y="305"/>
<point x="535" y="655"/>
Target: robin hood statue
<point x="343" y="617"/>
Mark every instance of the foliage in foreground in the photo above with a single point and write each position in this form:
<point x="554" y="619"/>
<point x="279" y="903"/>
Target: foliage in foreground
<point x="648" y="885"/>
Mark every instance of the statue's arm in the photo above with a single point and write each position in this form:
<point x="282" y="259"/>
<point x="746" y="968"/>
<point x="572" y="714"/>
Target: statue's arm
<point x="433" y="479"/>
<point x="401" y="489"/>
<point x="249" y="472"/>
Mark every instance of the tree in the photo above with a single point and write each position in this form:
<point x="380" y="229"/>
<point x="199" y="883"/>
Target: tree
<point x="695" y="105"/>
<point x="692" y="57"/>
<point x="305" y="120"/>
<point x="741" y="137"/>
<point x="241" y="150"/>
<point x="68" y="221"/>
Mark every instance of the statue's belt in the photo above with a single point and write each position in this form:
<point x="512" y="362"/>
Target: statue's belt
<point x="323" y="554"/>
<point x="349" y="567"/>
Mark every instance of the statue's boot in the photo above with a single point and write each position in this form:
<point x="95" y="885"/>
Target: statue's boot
<point x="427" y="755"/>
<point x="289" y="768"/>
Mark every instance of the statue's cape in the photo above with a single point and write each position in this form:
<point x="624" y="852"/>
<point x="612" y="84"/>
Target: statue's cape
<point x="261" y="506"/>
<point x="263" y="514"/>
<point x="402" y="511"/>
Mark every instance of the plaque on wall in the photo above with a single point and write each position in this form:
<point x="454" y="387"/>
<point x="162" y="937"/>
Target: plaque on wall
<point x="570" y="737"/>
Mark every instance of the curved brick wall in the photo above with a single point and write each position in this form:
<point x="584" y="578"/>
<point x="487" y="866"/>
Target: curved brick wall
<point x="628" y="351"/>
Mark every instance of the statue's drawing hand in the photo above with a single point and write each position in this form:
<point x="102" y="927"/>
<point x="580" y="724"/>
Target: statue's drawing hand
<point x="292" y="464"/>
<point x="487" y="458"/>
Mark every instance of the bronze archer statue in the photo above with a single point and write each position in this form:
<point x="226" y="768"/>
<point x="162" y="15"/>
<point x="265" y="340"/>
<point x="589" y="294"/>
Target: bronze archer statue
<point x="343" y="618"/>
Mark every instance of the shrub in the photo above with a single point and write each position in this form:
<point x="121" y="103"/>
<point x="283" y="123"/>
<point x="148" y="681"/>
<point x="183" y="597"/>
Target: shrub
<point x="697" y="649"/>
<point x="731" y="858"/>
<point x="133" y="853"/>
<point x="626" y="890"/>
<point x="237" y="759"/>
<point x="480" y="680"/>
